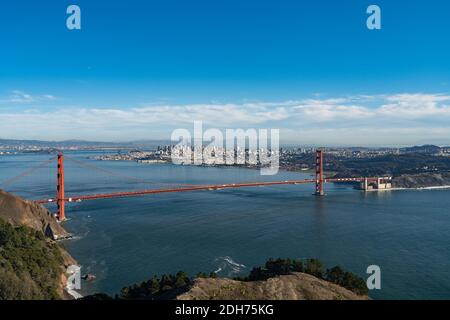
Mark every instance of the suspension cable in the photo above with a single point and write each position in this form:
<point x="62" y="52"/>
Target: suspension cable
<point x="27" y="172"/>
<point x="121" y="175"/>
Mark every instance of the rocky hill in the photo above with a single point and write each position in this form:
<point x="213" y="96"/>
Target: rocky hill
<point x="296" y="286"/>
<point x="20" y="212"/>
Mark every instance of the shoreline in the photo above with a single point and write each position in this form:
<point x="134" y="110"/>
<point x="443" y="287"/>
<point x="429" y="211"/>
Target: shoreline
<point x="410" y="189"/>
<point x="421" y="188"/>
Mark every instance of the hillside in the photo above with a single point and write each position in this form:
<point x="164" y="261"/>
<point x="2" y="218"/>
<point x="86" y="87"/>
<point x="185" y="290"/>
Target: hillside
<point x="296" y="286"/>
<point x="19" y="212"/>
<point x="422" y="180"/>
<point x="280" y="279"/>
<point x="32" y="264"/>
<point x="390" y="165"/>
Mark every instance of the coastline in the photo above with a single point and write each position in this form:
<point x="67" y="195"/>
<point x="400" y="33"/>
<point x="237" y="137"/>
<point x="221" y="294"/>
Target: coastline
<point x="420" y="188"/>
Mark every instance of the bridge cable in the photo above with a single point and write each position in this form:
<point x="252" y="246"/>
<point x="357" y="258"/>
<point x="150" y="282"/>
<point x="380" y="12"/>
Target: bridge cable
<point x="27" y="172"/>
<point x="121" y="175"/>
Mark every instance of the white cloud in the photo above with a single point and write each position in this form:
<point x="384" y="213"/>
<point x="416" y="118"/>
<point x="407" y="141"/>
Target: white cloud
<point x="330" y="112"/>
<point x="21" y="97"/>
<point x="378" y="119"/>
<point x="416" y="106"/>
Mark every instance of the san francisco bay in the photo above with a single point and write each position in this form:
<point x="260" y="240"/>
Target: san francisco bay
<point x="128" y="240"/>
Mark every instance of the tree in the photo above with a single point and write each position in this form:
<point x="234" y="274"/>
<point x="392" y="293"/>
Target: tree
<point x="181" y="279"/>
<point x="297" y="266"/>
<point x="315" y="267"/>
<point x="202" y="275"/>
<point x="335" y="275"/>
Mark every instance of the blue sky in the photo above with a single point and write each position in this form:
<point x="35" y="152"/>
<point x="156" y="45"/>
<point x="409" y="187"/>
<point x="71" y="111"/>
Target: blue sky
<point x="139" y="69"/>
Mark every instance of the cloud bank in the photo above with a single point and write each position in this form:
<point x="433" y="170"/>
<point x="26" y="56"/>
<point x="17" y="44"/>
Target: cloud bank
<point x="407" y="118"/>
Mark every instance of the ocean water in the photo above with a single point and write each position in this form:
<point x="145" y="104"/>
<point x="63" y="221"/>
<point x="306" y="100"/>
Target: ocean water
<point x="123" y="241"/>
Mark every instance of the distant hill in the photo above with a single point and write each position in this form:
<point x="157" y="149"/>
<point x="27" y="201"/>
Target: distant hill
<point x="390" y="165"/>
<point x="426" y="149"/>
<point x="83" y="144"/>
<point x="55" y="144"/>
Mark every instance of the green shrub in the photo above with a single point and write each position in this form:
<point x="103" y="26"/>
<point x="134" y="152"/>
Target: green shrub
<point x="30" y="266"/>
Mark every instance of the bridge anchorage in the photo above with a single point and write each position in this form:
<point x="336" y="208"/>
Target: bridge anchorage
<point x="366" y="184"/>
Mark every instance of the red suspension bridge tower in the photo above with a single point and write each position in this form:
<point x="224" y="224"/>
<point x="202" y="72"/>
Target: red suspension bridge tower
<point x="60" y="197"/>
<point x="319" y="173"/>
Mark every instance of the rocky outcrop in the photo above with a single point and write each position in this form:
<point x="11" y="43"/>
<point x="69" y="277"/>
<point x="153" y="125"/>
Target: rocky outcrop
<point x="296" y="286"/>
<point x="19" y="212"/>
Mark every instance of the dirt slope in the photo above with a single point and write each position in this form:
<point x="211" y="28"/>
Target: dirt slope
<point x="298" y="286"/>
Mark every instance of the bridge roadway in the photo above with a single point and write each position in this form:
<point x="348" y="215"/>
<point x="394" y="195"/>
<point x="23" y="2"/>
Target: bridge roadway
<point x="195" y="188"/>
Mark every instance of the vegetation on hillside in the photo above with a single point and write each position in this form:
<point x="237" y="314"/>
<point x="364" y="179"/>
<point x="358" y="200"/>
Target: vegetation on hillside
<point x="30" y="265"/>
<point x="171" y="286"/>
<point x="393" y="165"/>
<point x="314" y="267"/>
<point x="158" y="288"/>
<point x="408" y="163"/>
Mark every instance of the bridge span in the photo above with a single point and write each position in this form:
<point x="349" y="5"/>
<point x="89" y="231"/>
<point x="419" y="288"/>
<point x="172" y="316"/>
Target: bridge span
<point x="193" y="188"/>
<point x="61" y="198"/>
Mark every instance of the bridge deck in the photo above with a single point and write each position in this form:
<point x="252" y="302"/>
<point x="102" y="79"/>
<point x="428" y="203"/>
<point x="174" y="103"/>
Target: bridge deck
<point x="194" y="188"/>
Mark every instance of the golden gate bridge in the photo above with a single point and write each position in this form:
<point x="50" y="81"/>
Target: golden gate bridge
<point x="61" y="198"/>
